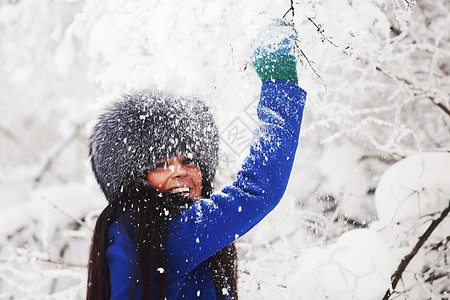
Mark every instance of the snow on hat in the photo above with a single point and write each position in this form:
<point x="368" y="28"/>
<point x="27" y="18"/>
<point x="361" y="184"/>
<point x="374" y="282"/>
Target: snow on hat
<point x="147" y="126"/>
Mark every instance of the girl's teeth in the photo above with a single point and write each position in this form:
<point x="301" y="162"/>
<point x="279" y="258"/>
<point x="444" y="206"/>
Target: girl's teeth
<point x="180" y="190"/>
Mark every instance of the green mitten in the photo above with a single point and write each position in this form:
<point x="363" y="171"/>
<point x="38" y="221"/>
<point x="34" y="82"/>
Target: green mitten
<point x="273" y="58"/>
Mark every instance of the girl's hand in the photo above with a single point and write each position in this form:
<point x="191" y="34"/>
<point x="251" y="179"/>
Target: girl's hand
<point x="273" y="56"/>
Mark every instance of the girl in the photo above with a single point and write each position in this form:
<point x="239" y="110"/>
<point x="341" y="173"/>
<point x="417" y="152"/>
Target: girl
<point x="164" y="234"/>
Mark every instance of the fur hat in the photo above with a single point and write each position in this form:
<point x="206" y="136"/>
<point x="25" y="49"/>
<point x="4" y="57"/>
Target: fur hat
<point x="147" y="126"/>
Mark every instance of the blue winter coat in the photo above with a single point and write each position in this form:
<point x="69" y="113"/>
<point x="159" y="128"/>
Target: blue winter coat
<point x="211" y="224"/>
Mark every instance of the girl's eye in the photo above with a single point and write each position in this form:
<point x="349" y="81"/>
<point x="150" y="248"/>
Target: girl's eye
<point x="159" y="165"/>
<point x="189" y="162"/>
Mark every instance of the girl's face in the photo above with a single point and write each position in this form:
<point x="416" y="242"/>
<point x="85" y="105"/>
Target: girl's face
<point x="177" y="175"/>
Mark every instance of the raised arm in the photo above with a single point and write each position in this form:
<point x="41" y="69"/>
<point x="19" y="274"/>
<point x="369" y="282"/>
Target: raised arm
<point x="209" y="225"/>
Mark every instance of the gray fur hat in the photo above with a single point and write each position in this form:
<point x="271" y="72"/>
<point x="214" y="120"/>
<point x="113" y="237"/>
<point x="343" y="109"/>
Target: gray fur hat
<point x="147" y="126"/>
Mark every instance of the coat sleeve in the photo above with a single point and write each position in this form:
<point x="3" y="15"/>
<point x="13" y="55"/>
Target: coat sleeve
<point x="211" y="224"/>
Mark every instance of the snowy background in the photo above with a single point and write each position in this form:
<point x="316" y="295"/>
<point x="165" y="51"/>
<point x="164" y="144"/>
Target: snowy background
<point x="372" y="169"/>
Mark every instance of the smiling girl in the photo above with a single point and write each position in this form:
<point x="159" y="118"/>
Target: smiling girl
<point x="177" y="175"/>
<point x="165" y="234"/>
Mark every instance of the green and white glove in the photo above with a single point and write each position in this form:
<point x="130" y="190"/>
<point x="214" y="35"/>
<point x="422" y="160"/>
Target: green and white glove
<point x="273" y="56"/>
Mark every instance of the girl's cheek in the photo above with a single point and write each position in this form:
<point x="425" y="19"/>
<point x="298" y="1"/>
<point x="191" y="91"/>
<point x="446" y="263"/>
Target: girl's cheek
<point x="157" y="179"/>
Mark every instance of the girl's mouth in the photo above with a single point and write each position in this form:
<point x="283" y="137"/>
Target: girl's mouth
<point x="182" y="191"/>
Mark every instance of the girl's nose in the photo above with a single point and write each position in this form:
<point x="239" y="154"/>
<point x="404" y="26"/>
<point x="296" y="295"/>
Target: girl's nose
<point x="178" y="169"/>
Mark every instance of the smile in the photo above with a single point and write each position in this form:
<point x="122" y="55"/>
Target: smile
<point x="180" y="190"/>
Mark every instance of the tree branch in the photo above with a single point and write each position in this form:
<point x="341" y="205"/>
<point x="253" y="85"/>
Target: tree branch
<point x="321" y="31"/>
<point x="55" y="153"/>
<point x="434" y="277"/>
<point x="76" y="220"/>
<point x="297" y="47"/>
<point x="409" y="83"/>
<point x="42" y="257"/>
<point x="406" y="260"/>
<point x="290" y="9"/>
<point x="442" y="106"/>
<point x="59" y="261"/>
<point x="9" y="135"/>
<point x="409" y="3"/>
<point x="309" y="63"/>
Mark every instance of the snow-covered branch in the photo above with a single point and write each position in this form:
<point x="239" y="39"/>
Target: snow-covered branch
<point x="407" y="259"/>
<point x="415" y="89"/>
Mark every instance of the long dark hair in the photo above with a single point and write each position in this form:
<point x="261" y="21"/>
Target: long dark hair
<point x="146" y="213"/>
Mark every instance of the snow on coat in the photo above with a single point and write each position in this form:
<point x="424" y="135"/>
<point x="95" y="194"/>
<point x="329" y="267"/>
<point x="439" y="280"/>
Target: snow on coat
<point x="211" y="224"/>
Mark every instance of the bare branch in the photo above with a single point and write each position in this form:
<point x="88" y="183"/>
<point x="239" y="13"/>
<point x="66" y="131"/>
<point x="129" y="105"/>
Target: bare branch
<point x="406" y="260"/>
<point x="433" y="277"/>
<point x="444" y="242"/>
<point x="59" y="261"/>
<point x="292" y="6"/>
<point x="442" y="106"/>
<point x="9" y="135"/>
<point x="40" y="256"/>
<point x="297" y="47"/>
<point x="409" y="83"/>
<point x="55" y="153"/>
<point x="409" y="4"/>
<point x="285" y="14"/>
<point x="56" y="261"/>
<point x="76" y="220"/>
<point x="322" y="32"/>
<point x="290" y="9"/>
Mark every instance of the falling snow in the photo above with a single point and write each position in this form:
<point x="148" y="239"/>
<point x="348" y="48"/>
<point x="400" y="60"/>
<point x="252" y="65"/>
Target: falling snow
<point x="371" y="170"/>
